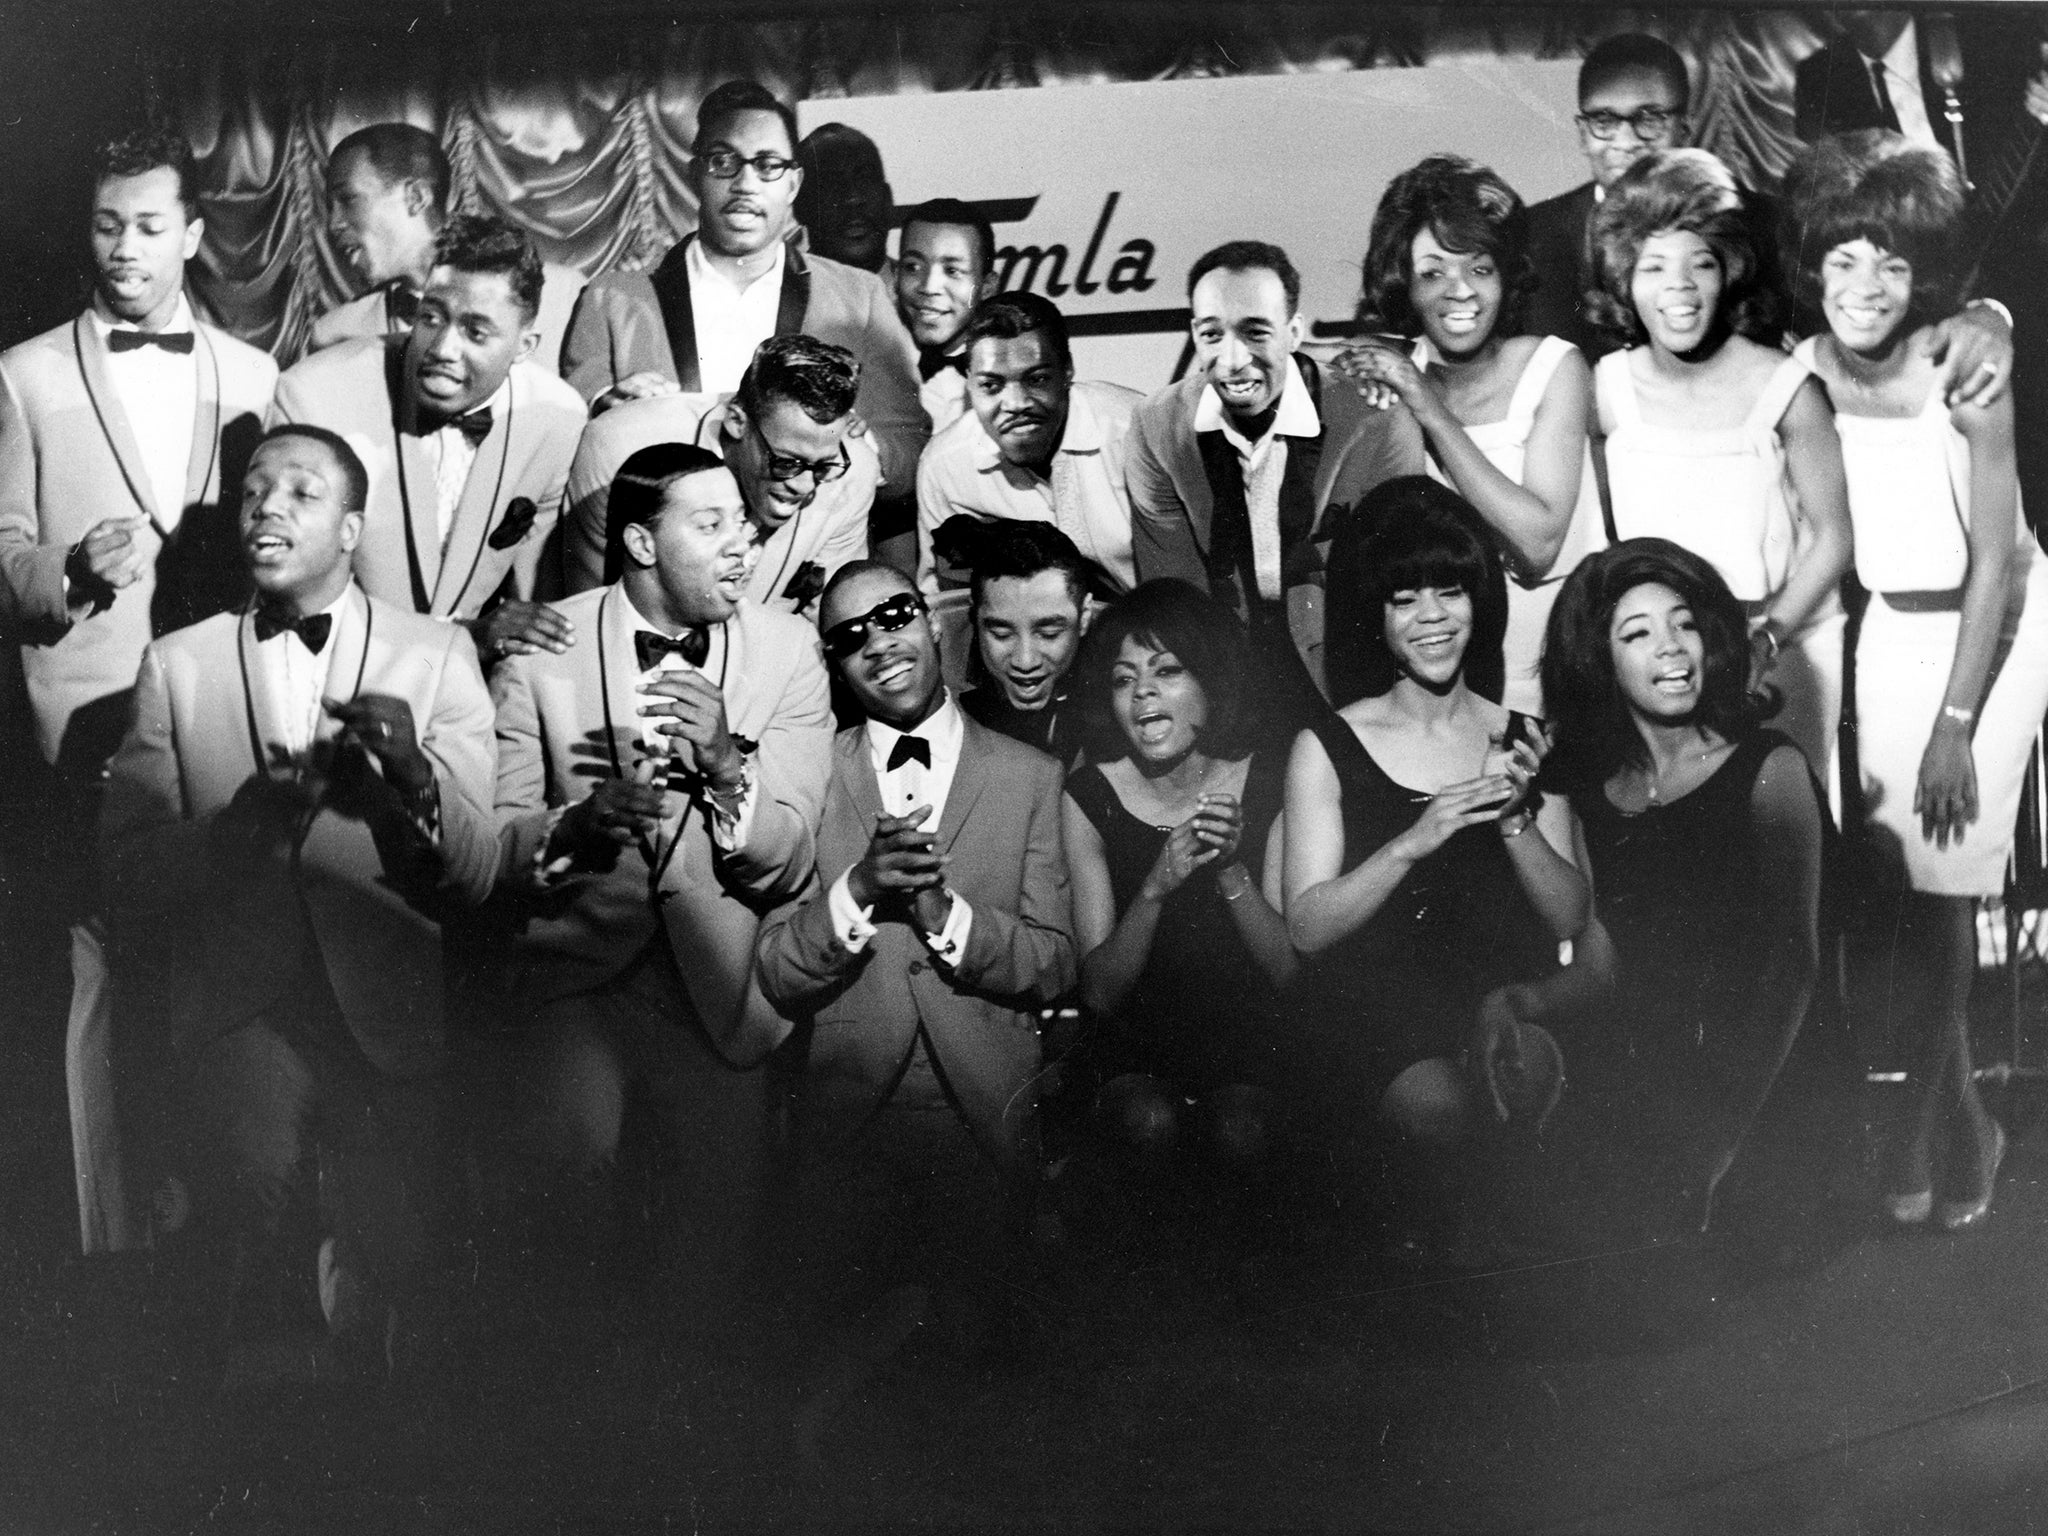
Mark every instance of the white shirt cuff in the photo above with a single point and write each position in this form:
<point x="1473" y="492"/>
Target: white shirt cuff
<point x="852" y="923"/>
<point x="732" y="816"/>
<point x="950" y="942"/>
<point x="547" y="871"/>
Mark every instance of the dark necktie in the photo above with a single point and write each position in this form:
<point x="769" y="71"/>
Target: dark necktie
<point x="135" y="341"/>
<point x="1888" y="116"/>
<point x="401" y="302"/>
<point x="693" y="645"/>
<point x="909" y="749"/>
<point x="312" y="629"/>
<point x="935" y="362"/>
<point x="474" y="425"/>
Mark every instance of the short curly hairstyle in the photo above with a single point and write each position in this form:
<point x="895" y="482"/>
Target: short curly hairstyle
<point x="1410" y="532"/>
<point x="1676" y="189"/>
<point x="145" y="150"/>
<point x="1878" y="186"/>
<point x="1470" y="210"/>
<point x="1595" y="732"/>
<point x="483" y="242"/>
<point x="820" y="379"/>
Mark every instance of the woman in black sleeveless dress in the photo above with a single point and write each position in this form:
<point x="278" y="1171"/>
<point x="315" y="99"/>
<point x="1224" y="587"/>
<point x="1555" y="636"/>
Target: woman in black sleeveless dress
<point x="1182" y="946"/>
<point x="1704" y="838"/>
<point x="1427" y="886"/>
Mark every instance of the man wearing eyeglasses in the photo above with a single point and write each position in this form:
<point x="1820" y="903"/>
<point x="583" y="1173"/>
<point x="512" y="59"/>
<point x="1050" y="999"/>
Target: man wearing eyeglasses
<point x="807" y="469"/>
<point x="693" y="323"/>
<point x="658" y="783"/>
<point x="936" y="925"/>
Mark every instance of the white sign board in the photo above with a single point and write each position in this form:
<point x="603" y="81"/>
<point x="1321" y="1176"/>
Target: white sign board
<point x="1114" y="190"/>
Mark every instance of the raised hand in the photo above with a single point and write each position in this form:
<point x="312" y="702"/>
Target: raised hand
<point x="1454" y="808"/>
<point x="902" y="861"/>
<point x="691" y="714"/>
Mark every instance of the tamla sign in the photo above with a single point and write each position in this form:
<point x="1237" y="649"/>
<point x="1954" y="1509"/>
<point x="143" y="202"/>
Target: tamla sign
<point x="1103" y="195"/>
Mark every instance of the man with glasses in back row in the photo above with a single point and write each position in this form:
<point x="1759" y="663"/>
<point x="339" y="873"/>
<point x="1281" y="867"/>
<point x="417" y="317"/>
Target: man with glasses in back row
<point x="807" y="469"/>
<point x="693" y="322"/>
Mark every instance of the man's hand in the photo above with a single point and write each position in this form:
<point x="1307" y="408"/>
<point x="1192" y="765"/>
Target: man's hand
<point x="383" y="727"/>
<point x="108" y="558"/>
<point x="614" y="813"/>
<point x="1973" y="350"/>
<point x="692" y="713"/>
<point x="515" y="628"/>
<point x="261" y="822"/>
<point x="901" y="862"/>
<point x="645" y="385"/>
<point x="930" y="908"/>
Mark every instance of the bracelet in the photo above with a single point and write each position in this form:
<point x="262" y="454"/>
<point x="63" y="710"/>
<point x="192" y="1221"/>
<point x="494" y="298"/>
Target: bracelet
<point x="1958" y="714"/>
<point x="1241" y="891"/>
<point x="1771" y="637"/>
<point x="1523" y="821"/>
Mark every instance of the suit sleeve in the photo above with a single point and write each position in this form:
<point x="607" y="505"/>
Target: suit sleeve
<point x="458" y="741"/>
<point x="583" y="532"/>
<point x="1162" y="537"/>
<point x="153" y="856"/>
<point x="793" y="762"/>
<point x="847" y="539"/>
<point x="888" y="400"/>
<point x="521" y="801"/>
<point x="32" y="603"/>
<point x="534" y="548"/>
<point x="1028" y="955"/>
<point x="934" y="506"/>
<point x="797" y="955"/>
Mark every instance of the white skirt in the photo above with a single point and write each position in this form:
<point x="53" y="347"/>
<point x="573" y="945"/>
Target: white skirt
<point x="1902" y="668"/>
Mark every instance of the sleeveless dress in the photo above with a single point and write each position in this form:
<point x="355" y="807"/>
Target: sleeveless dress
<point x="1723" y="495"/>
<point x="1909" y="497"/>
<point x="1505" y="444"/>
<point x="1201" y="1013"/>
<point x="1408" y="984"/>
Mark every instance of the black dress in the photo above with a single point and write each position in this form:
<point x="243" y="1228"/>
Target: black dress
<point x="1407" y="984"/>
<point x="1200" y="1014"/>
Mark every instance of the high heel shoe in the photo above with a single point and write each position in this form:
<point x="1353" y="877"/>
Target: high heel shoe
<point x="1959" y="1215"/>
<point x="1910" y="1210"/>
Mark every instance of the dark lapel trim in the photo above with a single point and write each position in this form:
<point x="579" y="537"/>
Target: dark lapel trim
<point x="672" y="296"/>
<point x="401" y="444"/>
<point x="480" y="523"/>
<point x="794" y="304"/>
<point x="206" y="416"/>
<point x="106" y="406"/>
<point x="245" y="646"/>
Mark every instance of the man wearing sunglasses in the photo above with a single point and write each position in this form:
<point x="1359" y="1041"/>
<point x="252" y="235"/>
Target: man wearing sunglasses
<point x="658" y="783"/>
<point x="936" y="925"/>
<point x="807" y="469"/>
<point x="692" y="323"/>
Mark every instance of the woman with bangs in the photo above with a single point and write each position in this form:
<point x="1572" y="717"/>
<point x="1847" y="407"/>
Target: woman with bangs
<point x="1714" y="439"/>
<point x="1504" y="416"/>
<point x="1176" y="885"/>
<point x="1703" y="838"/>
<point x="1952" y="654"/>
<point x="1427" y="884"/>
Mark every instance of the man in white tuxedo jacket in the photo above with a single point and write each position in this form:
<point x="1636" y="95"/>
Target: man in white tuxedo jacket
<point x="123" y="433"/>
<point x="301" y="796"/>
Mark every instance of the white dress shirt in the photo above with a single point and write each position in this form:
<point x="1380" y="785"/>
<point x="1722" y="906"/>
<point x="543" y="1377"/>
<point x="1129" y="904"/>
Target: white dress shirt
<point x="728" y="826"/>
<point x="903" y="787"/>
<point x="159" y="394"/>
<point x="297" y="679"/>
<point x="454" y="456"/>
<point x="731" y="319"/>
<point x="1265" y="464"/>
<point x="1084" y="495"/>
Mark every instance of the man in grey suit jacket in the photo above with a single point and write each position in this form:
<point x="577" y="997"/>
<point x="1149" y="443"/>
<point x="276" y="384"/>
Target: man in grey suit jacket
<point x="658" y="786"/>
<point x="694" y="321"/>
<point x="300" y="797"/>
<point x="468" y="444"/>
<point x="123" y="433"/>
<point x="938" y="924"/>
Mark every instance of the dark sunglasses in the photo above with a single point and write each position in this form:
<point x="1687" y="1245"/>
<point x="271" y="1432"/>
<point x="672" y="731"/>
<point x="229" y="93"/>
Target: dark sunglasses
<point x="889" y="615"/>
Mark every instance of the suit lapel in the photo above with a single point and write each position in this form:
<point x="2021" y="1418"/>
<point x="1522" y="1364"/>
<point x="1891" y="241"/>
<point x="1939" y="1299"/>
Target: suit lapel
<point x="795" y="301"/>
<point x="857" y="769"/>
<point x="970" y="777"/>
<point x="475" y="510"/>
<point x="265" y="718"/>
<point x="106" y="404"/>
<point x="205" y="420"/>
<point x="678" y="318"/>
<point x="416" y="490"/>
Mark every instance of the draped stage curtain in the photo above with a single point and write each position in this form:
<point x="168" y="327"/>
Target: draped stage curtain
<point x="580" y="134"/>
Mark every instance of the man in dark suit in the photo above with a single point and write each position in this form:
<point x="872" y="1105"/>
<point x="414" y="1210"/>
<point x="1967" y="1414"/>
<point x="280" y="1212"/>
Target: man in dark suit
<point x="937" y="924"/>
<point x="468" y="443"/>
<point x="694" y="321"/>
<point x="1029" y="609"/>
<point x="302" y="794"/>
<point x="1633" y="95"/>
<point x="1238" y="471"/>
<point x="658" y="785"/>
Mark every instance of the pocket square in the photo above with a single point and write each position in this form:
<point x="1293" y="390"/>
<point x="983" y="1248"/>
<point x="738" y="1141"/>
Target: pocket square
<point x="806" y="583"/>
<point x="517" y="523"/>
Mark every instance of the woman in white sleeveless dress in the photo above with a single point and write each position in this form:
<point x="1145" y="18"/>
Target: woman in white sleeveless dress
<point x="1715" y="441"/>
<point x="1952" y="659"/>
<point x="1504" y="416"/>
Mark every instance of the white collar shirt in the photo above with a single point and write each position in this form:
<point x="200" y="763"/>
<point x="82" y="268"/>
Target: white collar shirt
<point x="454" y="457"/>
<point x="731" y="821"/>
<point x="159" y="395"/>
<point x="1265" y="466"/>
<point x="731" y="319"/>
<point x="298" y="678"/>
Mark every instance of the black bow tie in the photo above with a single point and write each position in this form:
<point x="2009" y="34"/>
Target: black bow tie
<point x="135" y="341"/>
<point x="401" y="302"/>
<point x="931" y="363"/>
<point x="474" y="425"/>
<point x="693" y="645"/>
<point x="909" y="749"/>
<point x="312" y="629"/>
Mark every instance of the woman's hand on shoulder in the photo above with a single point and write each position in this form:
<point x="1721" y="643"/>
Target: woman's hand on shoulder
<point x="1383" y="373"/>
